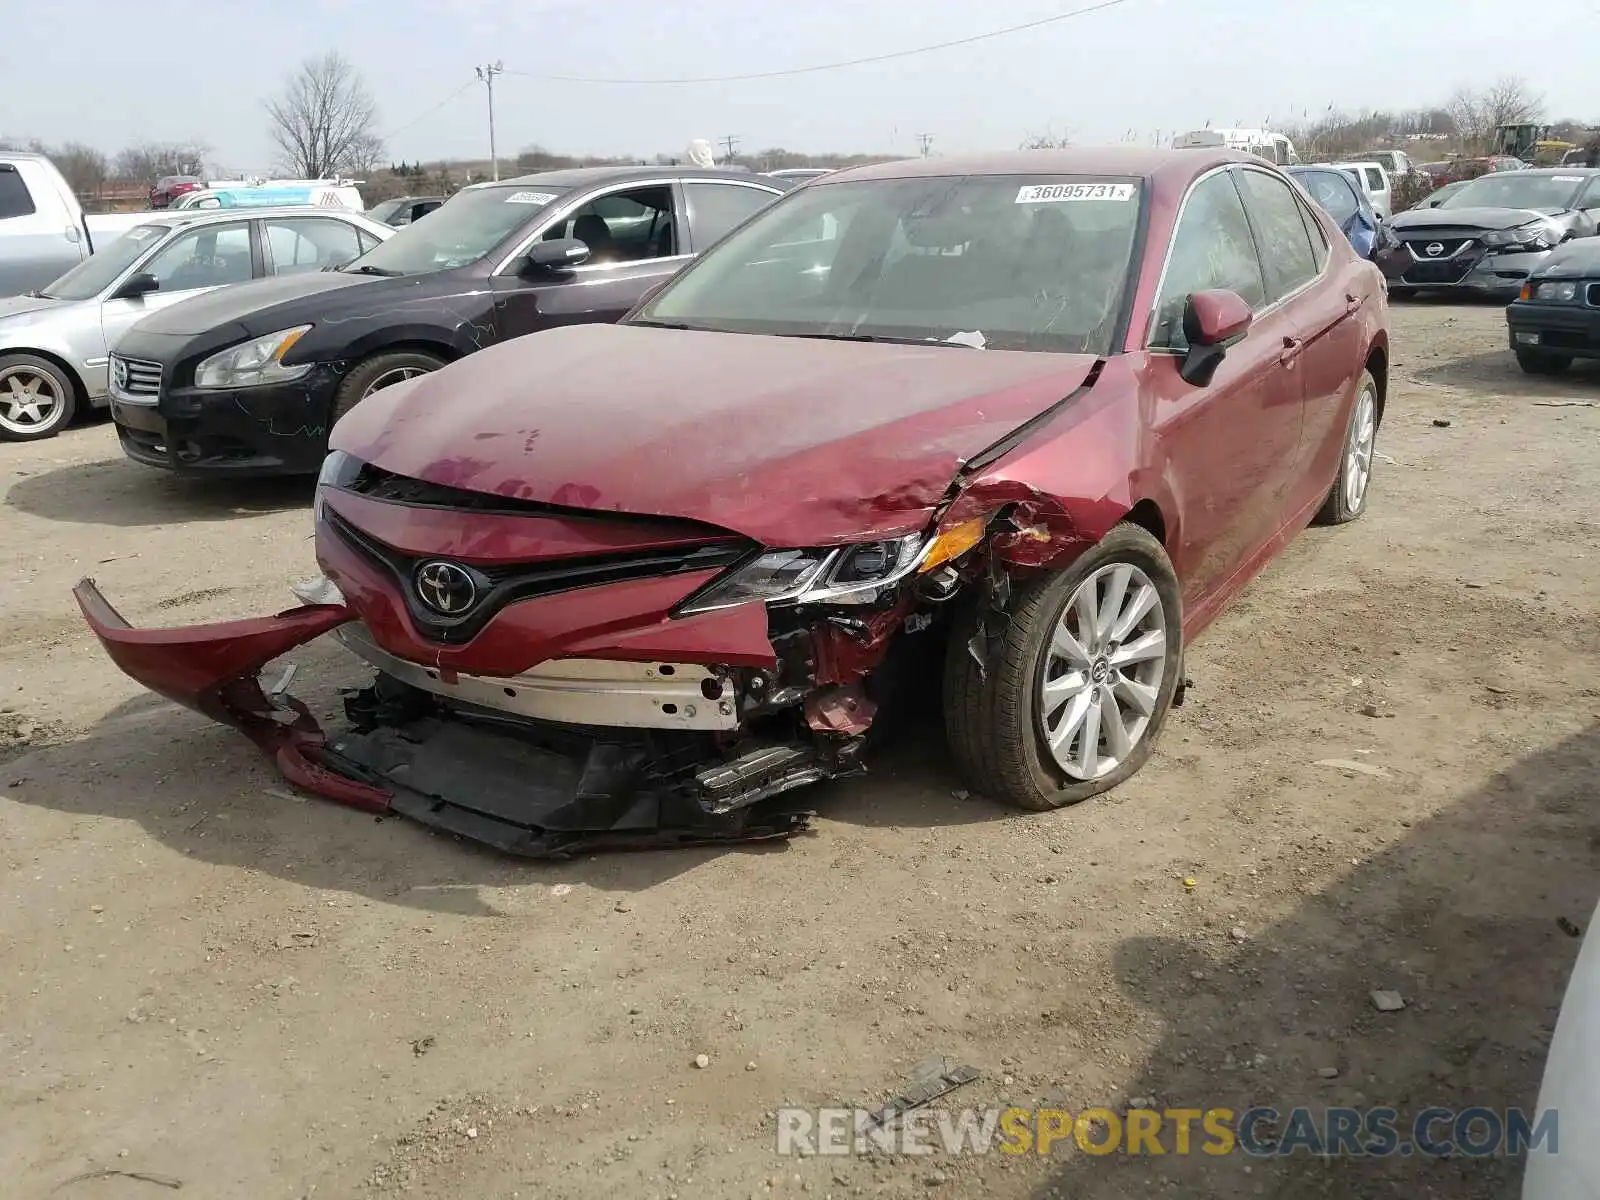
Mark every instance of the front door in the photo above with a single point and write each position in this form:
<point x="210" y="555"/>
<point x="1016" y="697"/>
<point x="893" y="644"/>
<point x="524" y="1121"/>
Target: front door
<point x="635" y="238"/>
<point x="194" y="262"/>
<point x="1227" y="447"/>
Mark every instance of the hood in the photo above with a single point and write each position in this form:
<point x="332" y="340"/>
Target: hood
<point x="1579" y="257"/>
<point x="1464" y="218"/>
<point x="789" y="441"/>
<point x="260" y="306"/>
<point x="18" y="311"/>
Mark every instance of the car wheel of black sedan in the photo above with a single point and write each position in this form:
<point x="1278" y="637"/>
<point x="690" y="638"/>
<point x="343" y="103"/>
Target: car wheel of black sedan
<point x="36" y="398"/>
<point x="1542" y="362"/>
<point x="1347" y="498"/>
<point x="378" y="372"/>
<point x="1076" y="685"/>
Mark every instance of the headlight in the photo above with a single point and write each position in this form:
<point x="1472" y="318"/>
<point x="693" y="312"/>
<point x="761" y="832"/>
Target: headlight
<point x="1535" y="235"/>
<point x="1550" y="290"/>
<point x="853" y="574"/>
<point x="253" y="363"/>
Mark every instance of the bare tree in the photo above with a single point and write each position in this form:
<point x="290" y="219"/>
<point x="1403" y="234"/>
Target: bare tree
<point x="1048" y="140"/>
<point x="84" y="168"/>
<point x="26" y="145"/>
<point x="146" y="162"/>
<point x="324" y="122"/>
<point x="1476" y="114"/>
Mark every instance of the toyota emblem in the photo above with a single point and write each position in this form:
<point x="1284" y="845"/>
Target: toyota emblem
<point x="1434" y="249"/>
<point x="446" y="588"/>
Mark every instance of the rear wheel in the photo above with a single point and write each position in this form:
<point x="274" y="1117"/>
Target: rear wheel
<point x="1347" y="498"/>
<point x="380" y="371"/>
<point x="1542" y="362"/>
<point x="1073" y="693"/>
<point x="36" y="398"/>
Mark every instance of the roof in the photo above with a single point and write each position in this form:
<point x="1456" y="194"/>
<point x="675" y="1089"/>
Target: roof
<point x="581" y="177"/>
<point x="205" y="216"/>
<point x="1138" y="161"/>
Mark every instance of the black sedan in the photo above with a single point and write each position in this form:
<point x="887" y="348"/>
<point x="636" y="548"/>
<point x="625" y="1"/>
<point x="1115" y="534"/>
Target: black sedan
<point x="403" y="210"/>
<point x="1488" y="237"/>
<point x="1556" y="318"/>
<point x="248" y="380"/>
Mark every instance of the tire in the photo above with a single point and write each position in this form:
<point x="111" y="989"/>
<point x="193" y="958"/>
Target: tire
<point x="1347" y="498"/>
<point x="1533" y="362"/>
<point x="375" y="373"/>
<point x="54" y="398"/>
<point x="995" y="718"/>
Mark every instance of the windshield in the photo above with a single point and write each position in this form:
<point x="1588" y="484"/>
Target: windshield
<point x="1008" y="262"/>
<point x="460" y="231"/>
<point x="100" y="270"/>
<point x="1518" y="189"/>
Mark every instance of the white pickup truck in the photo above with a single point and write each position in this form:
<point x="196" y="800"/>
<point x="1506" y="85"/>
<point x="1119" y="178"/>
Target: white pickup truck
<point x="42" y="228"/>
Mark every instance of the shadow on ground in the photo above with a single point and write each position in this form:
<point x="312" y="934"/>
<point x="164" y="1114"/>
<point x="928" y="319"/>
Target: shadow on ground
<point x="123" y="493"/>
<point x="1461" y="918"/>
<point x="1498" y="370"/>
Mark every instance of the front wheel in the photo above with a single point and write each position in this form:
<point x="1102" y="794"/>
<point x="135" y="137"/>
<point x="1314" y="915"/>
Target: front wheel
<point x="378" y="372"/>
<point x="36" y="398"/>
<point x="1542" y="362"/>
<point x="1072" y="694"/>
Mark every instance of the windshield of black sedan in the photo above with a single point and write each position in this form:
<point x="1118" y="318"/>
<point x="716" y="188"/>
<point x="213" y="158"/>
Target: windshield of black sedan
<point x="1518" y="189"/>
<point x="460" y="231"/>
<point x="1006" y="262"/>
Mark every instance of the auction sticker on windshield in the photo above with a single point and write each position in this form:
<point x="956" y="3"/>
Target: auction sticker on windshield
<point x="530" y="197"/>
<point x="1056" y="193"/>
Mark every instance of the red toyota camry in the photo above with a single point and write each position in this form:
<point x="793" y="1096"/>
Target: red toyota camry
<point x="1040" y="414"/>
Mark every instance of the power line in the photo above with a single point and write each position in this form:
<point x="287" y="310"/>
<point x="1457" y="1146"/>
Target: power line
<point x="834" y="66"/>
<point x="730" y="143"/>
<point x="424" y="116"/>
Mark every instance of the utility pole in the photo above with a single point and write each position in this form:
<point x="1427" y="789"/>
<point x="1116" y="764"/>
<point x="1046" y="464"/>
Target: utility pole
<point x="926" y="140"/>
<point x="730" y="143"/>
<point x="486" y="74"/>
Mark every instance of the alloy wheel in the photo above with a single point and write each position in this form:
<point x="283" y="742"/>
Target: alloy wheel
<point x="29" y="400"/>
<point x="398" y="375"/>
<point x="1102" y="673"/>
<point x="1358" y="456"/>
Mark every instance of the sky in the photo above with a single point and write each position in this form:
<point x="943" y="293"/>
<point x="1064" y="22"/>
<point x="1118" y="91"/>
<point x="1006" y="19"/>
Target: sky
<point x="156" y="70"/>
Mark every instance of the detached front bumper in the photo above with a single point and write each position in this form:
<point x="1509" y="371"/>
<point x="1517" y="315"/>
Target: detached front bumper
<point x="1471" y="270"/>
<point x="570" y="756"/>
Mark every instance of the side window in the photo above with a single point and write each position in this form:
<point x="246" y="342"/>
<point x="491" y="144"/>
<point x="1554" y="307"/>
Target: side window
<point x="1332" y="190"/>
<point x="368" y="241"/>
<point x="14" y="198"/>
<point x="715" y="208"/>
<point x="1591" y="194"/>
<point x="1374" y="179"/>
<point x="1285" y="246"/>
<point x="1319" y="239"/>
<point x="1211" y="248"/>
<point x="206" y="257"/>
<point x="303" y="244"/>
<point x="623" y="226"/>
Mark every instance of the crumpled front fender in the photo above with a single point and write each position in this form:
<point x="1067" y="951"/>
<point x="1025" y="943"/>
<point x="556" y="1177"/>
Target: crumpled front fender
<point x="213" y="670"/>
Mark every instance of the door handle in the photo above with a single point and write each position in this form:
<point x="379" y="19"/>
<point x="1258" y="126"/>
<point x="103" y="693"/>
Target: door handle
<point x="1291" y="350"/>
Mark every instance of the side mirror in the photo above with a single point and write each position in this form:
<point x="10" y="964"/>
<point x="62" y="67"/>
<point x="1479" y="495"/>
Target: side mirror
<point x="560" y="255"/>
<point x="1212" y="321"/>
<point x="137" y="285"/>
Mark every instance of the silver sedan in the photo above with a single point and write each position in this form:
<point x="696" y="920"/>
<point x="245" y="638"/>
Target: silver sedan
<point x="55" y="342"/>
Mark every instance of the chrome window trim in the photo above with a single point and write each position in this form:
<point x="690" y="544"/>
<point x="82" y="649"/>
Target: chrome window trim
<point x="571" y="206"/>
<point x="1177" y="222"/>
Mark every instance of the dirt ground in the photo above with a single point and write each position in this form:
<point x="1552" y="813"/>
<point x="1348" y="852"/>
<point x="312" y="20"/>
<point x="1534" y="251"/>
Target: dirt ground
<point x="209" y="980"/>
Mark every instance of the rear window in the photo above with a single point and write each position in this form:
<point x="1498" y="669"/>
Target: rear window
<point x="14" y="198"/>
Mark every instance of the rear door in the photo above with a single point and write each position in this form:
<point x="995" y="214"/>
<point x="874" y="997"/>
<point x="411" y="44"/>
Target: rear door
<point x="41" y="237"/>
<point x="636" y="237"/>
<point x="1227" y="446"/>
<point x="1317" y="300"/>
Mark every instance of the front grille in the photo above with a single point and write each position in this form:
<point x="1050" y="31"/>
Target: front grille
<point x="1437" y="272"/>
<point x="137" y="377"/>
<point x="1593" y="295"/>
<point x="504" y="583"/>
<point x="1419" y="247"/>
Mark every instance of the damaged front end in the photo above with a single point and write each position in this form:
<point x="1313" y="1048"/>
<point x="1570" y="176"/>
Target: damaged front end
<point x="675" y="694"/>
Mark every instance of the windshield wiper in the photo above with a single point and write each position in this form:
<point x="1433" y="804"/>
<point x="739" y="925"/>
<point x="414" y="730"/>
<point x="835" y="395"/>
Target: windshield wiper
<point x="875" y="337"/>
<point x="370" y="270"/>
<point x="36" y="294"/>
